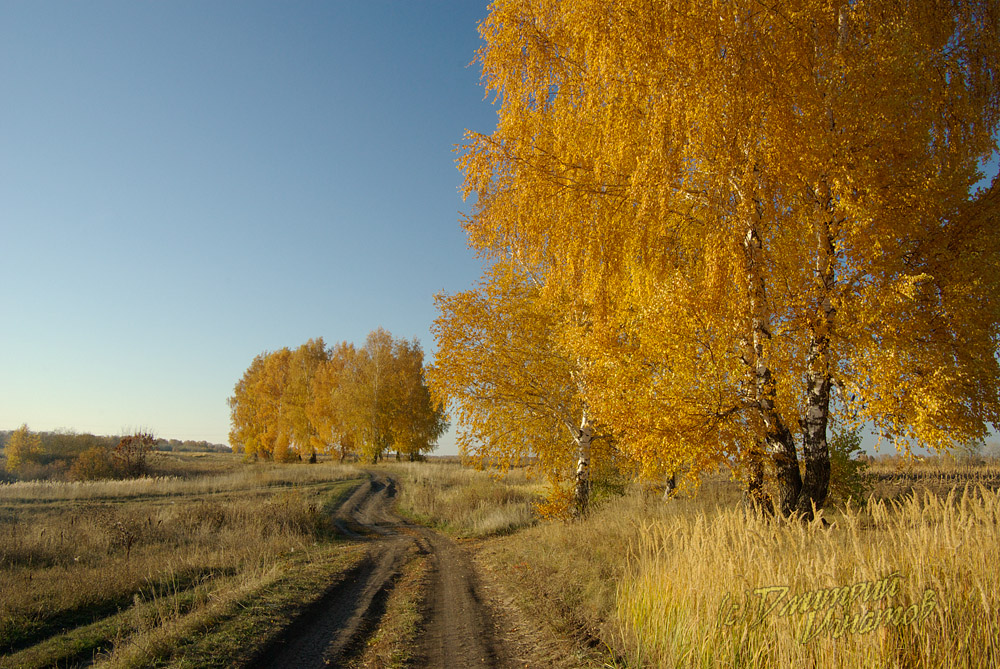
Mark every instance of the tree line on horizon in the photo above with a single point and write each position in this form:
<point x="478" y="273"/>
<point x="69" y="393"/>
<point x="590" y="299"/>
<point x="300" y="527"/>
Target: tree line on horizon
<point x="719" y="233"/>
<point x="69" y="441"/>
<point x="69" y="455"/>
<point x="343" y="400"/>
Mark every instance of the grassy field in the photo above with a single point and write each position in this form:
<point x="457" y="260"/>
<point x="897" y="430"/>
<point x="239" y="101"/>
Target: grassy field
<point x="909" y="580"/>
<point x="124" y="572"/>
<point x="204" y="564"/>
<point x="465" y="502"/>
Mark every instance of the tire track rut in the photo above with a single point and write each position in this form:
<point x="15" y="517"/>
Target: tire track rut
<point x="458" y="628"/>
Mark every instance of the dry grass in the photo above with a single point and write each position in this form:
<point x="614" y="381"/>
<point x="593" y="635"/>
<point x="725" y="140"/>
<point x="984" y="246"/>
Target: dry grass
<point x="135" y="569"/>
<point x="239" y="618"/>
<point x="72" y="555"/>
<point x="664" y="585"/>
<point x="465" y="502"/>
<point x="889" y="478"/>
<point x="235" y="477"/>
<point x="933" y="557"/>
<point x="938" y="466"/>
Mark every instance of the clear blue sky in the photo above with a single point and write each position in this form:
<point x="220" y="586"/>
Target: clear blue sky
<point x="186" y="184"/>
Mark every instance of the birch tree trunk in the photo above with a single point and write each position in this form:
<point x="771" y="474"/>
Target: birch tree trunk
<point x="581" y="485"/>
<point x="815" y="450"/>
<point x="818" y="379"/>
<point x="778" y="440"/>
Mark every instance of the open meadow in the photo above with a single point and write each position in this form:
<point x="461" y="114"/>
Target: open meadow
<point x="196" y="566"/>
<point x="209" y="566"/>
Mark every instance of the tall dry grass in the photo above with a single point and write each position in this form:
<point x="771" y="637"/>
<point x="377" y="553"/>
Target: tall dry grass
<point x="906" y="583"/>
<point x="700" y="582"/>
<point x="463" y="501"/>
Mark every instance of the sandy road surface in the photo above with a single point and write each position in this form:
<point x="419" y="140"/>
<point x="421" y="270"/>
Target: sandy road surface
<point x="458" y="628"/>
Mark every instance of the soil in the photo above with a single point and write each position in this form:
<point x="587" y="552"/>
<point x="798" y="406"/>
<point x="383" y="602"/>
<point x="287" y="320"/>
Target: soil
<point x="461" y="628"/>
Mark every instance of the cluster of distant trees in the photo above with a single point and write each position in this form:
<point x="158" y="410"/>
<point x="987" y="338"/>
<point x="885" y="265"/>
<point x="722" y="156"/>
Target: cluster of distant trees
<point x="366" y="401"/>
<point x="190" y="446"/>
<point x="67" y="455"/>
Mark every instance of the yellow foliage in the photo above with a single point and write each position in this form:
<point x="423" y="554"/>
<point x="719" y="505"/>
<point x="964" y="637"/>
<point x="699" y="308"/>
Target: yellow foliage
<point x="766" y="210"/>
<point x="22" y="448"/>
<point x="290" y="404"/>
<point x="557" y="503"/>
<point x="514" y="393"/>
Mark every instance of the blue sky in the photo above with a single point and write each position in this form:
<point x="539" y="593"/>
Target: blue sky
<point x="186" y="184"/>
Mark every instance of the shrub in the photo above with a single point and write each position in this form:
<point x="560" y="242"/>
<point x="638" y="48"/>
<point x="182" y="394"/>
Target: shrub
<point x="847" y="482"/>
<point x="92" y="465"/>
<point x="23" y="448"/>
<point x="129" y="456"/>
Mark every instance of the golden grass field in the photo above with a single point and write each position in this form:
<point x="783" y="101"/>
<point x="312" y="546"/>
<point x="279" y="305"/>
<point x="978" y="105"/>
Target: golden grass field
<point x="910" y="580"/>
<point x="197" y="569"/>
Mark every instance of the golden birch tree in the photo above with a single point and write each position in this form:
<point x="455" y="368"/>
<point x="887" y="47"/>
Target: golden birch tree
<point x="245" y="414"/>
<point x="770" y="205"/>
<point x="328" y="410"/>
<point x="304" y="364"/>
<point x="290" y="404"/>
<point x="258" y="415"/>
<point x="418" y="421"/>
<point x="515" y="394"/>
<point x="390" y="406"/>
<point x="370" y="391"/>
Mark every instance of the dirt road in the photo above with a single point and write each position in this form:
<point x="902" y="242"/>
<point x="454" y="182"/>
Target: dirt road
<point x="458" y="630"/>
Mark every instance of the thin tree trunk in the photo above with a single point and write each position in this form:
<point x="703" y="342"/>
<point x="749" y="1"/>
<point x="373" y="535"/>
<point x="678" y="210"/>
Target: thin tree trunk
<point x="581" y="488"/>
<point x="818" y="379"/>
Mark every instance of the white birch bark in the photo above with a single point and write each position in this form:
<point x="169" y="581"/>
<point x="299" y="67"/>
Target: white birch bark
<point x="777" y="438"/>
<point x="581" y="484"/>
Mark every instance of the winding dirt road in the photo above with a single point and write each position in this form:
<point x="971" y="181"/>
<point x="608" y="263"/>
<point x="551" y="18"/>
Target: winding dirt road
<point x="458" y="630"/>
